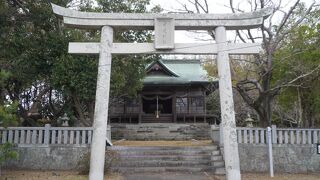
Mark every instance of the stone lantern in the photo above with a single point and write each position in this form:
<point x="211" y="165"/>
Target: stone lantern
<point x="249" y="121"/>
<point x="65" y="120"/>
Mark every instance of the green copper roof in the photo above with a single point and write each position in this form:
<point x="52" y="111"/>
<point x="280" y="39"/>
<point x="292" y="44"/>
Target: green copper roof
<point x="179" y="72"/>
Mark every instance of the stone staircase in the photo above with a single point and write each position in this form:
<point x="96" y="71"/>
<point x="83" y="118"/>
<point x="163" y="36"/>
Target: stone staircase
<point x="161" y="131"/>
<point x="163" y="118"/>
<point x="156" y="159"/>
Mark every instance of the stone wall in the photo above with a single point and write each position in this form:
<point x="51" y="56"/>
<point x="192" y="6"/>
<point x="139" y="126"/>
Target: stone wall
<point x="253" y="158"/>
<point x="161" y="131"/>
<point x="286" y="158"/>
<point x="48" y="158"/>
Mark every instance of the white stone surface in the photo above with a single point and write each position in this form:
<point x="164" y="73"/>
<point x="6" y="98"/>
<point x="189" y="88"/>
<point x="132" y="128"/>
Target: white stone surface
<point x="182" y="21"/>
<point x="228" y="123"/>
<point x="180" y="48"/>
<point x="164" y="33"/>
<point x="101" y="106"/>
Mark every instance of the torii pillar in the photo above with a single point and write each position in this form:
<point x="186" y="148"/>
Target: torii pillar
<point x="101" y="105"/>
<point x="228" y="121"/>
<point x="164" y="26"/>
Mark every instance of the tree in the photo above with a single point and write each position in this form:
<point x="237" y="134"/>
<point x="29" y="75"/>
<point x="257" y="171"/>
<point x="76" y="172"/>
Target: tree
<point x="43" y="77"/>
<point x="297" y="60"/>
<point x="29" y="45"/>
<point x="76" y="75"/>
<point x="257" y="90"/>
<point x="239" y="70"/>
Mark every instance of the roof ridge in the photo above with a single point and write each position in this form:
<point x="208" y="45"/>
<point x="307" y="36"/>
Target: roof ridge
<point x="182" y="60"/>
<point x="161" y="63"/>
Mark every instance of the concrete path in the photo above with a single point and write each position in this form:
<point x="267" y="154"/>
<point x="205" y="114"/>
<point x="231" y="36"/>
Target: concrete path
<point x="171" y="176"/>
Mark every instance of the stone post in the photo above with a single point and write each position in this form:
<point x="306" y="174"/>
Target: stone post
<point x="47" y="134"/>
<point x="101" y="106"/>
<point x="270" y="151"/>
<point x="228" y="124"/>
<point x="274" y="134"/>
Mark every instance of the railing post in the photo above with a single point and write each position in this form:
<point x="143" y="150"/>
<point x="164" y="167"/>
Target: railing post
<point x="215" y="133"/>
<point x="47" y="134"/>
<point x="109" y="133"/>
<point x="274" y="134"/>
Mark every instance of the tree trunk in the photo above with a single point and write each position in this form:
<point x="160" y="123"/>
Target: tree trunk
<point x="91" y="110"/>
<point x="2" y="96"/>
<point x="306" y="108"/>
<point x="78" y="107"/>
<point x="300" y="117"/>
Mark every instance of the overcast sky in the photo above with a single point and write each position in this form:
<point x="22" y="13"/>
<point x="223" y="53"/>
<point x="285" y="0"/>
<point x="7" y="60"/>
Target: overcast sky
<point x="215" y="6"/>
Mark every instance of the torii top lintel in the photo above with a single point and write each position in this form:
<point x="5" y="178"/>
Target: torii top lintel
<point x="92" y="20"/>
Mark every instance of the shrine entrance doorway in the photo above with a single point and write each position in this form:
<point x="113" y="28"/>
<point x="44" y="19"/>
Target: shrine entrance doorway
<point x="157" y="109"/>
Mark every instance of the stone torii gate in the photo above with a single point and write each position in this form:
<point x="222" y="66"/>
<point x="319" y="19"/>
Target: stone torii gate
<point x="164" y="26"/>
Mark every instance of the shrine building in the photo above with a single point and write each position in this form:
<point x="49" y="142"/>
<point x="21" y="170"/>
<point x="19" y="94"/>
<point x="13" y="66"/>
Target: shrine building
<point x="174" y="91"/>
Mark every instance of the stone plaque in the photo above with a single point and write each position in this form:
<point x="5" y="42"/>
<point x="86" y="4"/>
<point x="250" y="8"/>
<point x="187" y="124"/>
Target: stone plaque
<point x="164" y="33"/>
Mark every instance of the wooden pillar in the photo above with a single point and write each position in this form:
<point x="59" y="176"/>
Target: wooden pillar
<point x="174" y="107"/>
<point x="124" y="105"/>
<point x="188" y="103"/>
<point x="141" y="108"/>
<point x="204" y="105"/>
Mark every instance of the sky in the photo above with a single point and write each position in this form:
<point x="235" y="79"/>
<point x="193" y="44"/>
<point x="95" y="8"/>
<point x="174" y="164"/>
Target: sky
<point x="172" y="6"/>
<point x="215" y="7"/>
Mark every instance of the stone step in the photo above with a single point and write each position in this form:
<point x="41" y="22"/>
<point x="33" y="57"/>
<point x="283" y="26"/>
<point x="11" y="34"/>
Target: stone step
<point x="168" y="163"/>
<point x="220" y="171"/>
<point x="163" y="169"/>
<point x="161" y="131"/>
<point x="215" y="153"/>
<point x="158" y="159"/>
<point x="169" y="153"/>
<point x="217" y="158"/>
<point x="217" y="164"/>
<point x="174" y="151"/>
<point x="163" y="148"/>
<point x="168" y="157"/>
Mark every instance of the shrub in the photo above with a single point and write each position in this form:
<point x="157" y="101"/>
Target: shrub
<point x="6" y="153"/>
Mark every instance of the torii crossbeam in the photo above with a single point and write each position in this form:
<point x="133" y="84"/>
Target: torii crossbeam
<point x="164" y="26"/>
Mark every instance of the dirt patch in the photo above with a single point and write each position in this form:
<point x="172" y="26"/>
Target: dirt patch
<point x="265" y="176"/>
<point x="73" y="175"/>
<point x="163" y="143"/>
<point x="50" y="175"/>
<point x="282" y="176"/>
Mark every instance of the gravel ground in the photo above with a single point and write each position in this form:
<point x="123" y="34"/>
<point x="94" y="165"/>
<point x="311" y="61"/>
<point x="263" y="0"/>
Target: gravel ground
<point x="72" y="175"/>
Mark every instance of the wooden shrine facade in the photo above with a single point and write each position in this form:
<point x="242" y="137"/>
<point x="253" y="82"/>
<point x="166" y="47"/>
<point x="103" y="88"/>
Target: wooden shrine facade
<point x="174" y="92"/>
